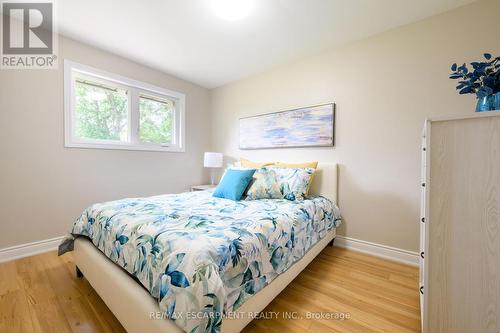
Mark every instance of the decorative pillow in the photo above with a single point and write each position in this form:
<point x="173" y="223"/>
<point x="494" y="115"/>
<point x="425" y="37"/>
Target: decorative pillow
<point x="249" y="164"/>
<point x="236" y="166"/>
<point x="234" y="183"/>
<point x="313" y="165"/>
<point x="264" y="186"/>
<point x="293" y="182"/>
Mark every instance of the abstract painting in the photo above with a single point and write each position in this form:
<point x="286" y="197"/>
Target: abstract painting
<point x="305" y="127"/>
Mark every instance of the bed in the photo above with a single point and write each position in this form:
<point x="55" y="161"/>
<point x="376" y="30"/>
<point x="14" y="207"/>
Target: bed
<point x="223" y="262"/>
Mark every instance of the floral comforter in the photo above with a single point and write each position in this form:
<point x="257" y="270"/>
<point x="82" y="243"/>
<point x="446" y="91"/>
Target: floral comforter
<point x="200" y="256"/>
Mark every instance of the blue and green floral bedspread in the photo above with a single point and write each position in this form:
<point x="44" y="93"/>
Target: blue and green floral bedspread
<point x="201" y="256"/>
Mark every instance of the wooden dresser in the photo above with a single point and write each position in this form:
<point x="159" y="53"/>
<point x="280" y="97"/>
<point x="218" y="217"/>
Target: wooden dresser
<point x="460" y="225"/>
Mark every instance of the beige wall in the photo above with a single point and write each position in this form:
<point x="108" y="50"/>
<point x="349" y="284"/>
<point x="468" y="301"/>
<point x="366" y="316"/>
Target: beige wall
<point x="44" y="186"/>
<point x="384" y="88"/>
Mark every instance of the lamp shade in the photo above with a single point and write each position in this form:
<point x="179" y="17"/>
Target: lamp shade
<point x="212" y="160"/>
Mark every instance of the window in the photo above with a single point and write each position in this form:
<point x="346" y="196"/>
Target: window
<point x="107" y="111"/>
<point x="156" y="117"/>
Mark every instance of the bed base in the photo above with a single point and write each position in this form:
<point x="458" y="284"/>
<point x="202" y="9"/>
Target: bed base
<point x="134" y="307"/>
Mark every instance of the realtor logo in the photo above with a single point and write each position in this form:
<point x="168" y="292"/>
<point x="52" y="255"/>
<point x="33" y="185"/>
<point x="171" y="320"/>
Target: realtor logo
<point x="29" y="39"/>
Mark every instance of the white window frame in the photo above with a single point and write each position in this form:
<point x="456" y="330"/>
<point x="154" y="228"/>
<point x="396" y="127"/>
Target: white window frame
<point x="134" y="88"/>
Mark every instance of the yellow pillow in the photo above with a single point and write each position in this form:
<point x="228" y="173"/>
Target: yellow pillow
<point x="313" y="165"/>
<point x="249" y="164"/>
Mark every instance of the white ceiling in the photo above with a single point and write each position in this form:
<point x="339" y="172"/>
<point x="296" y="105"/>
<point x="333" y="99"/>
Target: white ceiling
<point x="187" y="39"/>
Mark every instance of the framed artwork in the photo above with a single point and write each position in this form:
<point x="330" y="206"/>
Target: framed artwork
<point x="312" y="126"/>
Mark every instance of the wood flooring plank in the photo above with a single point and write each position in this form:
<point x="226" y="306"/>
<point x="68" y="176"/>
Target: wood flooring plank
<point x="9" y="278"/>
<point x="15" y="313"/>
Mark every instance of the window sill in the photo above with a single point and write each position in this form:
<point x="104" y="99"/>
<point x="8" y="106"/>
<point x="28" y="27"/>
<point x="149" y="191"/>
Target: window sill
<point x="124" y="147"/>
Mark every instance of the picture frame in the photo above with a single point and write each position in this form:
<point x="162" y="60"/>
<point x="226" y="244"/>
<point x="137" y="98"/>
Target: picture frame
<point x="309" y="126"/>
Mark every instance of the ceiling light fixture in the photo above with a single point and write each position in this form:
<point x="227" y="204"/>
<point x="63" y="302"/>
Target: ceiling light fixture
<point x="232" y="10"/>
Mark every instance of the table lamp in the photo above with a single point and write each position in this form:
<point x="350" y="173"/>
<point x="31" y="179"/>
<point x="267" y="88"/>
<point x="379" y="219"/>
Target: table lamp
<point x="212" y="161"/>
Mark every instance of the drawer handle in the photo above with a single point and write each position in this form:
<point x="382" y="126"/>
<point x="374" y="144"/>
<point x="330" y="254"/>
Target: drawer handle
<point x="423" y="220"/>
<point x="422" y="290"/>
<point x="422" y="254"/>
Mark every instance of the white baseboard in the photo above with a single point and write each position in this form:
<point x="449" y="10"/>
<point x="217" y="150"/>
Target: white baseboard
<point x="29" y="249"/>
<point x="384" y="251"/>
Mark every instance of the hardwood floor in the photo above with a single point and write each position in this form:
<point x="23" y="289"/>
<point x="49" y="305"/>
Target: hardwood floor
<point x="42" y="294"/>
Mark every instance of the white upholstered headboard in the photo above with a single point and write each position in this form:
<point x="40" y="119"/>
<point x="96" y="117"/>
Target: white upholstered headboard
<point x="325" y="181"/>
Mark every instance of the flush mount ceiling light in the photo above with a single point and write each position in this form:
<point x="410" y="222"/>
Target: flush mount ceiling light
<point x="232" y="10"/>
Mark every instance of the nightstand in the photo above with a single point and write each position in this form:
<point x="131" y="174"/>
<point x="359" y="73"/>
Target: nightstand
<point x="202" y="187"/>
